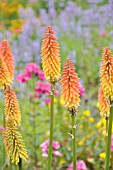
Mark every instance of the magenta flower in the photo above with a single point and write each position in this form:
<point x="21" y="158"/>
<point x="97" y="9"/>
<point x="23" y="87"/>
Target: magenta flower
<point x="56" y="93"/>
<point x="23" y="77"/>
<point x="47" y="100"/>
<point x="32" y="68"/>
<point x="46" y="88"/>
<point x="55" y="146"/>
<point x="112" y="143"/>
<point x="81" y="89"/>
<point x="80" y="165"/>
<point x="41" y="75"/>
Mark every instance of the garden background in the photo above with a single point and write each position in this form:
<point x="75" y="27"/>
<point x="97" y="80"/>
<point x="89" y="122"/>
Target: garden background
<point x="83" y="28"/>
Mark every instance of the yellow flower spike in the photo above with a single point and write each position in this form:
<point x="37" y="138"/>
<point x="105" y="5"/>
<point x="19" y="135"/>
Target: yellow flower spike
<point x="11" y="107"/>
<point x="106" y="73"/>
<point x="8" y="57"/>
<point x="16" y="145"/>
<point x="70" y="87"/>
<point x="4" y="74"/>
<point x="104" y="104"/>
<point x="50" y="56"/>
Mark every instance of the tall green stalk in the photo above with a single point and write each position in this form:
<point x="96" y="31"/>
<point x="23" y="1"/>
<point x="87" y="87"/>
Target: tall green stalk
<point x="20" y="164"/>
<point x="107" y="161"/>
<point x="10" y="164"/>
<point x="106" y="126"/>
<point x="74" y="142"/>
<point x="51" y="128"/>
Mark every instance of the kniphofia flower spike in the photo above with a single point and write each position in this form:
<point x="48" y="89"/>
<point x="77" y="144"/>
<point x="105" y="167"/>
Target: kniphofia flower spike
<point x="106" y="73"/>
<point x="50" y="56"/>
<point x="70" y="87"/>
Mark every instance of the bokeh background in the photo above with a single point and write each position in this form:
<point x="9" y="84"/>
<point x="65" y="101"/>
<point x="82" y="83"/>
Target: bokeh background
<point x="82" y="28"/>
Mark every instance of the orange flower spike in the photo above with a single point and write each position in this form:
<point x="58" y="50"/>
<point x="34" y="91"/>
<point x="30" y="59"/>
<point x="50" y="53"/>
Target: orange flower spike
<point x="8" y="57"/>
<point x="4" y="74"/>
<point x="104" y="104"/>
<point x="11" y="107"/>
<point x="50" y="56"/>
<point x="106" y="73"/>
<point x="70" y="87"/>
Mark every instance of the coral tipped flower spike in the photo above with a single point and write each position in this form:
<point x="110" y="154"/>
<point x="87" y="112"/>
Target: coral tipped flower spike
<point x="106" y="73"/>
<point x="8" y="57"/>
<point x="50" y="56"/>
<point x="70" y="87"/>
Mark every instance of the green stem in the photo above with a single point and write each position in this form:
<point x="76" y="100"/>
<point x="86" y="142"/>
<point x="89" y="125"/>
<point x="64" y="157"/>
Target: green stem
<point x="106" y="126"/>
<point x="34" y="121"/>
<point x="10" y="164"/>
<point x="20" y="164"/>
<point x="74" y="142"/>
<point x="107" y="162"/>
<point x="51" y="127"/>
<point x="16" y="167"/>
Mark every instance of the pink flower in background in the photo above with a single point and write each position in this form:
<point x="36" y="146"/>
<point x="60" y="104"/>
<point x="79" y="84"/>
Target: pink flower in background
<point x="46" y="88"/>
<point x="81" y="89"/>
<point x="57" y="153"/>
<point x="23" y="77"/>
<point x="103" y="34"/>
<point x="32" y="68"/>
<point x="55" y="146"/>
<point x="112" y="143"/>
<point x="47" y="100"/>
<point x="41" y="75"/>
<point x="42" y="89"/>
<point x="39" y="83"/>
<point x="56" y="93"/>
<point x="80" y="165"/>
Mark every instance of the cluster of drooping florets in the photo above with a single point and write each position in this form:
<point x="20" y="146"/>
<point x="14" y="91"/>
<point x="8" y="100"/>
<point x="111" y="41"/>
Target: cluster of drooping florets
<point x="50" y="56"/>
<point x="13" y="142"/>
<point x="105" y="94"/>
<point x="70" y="87"/>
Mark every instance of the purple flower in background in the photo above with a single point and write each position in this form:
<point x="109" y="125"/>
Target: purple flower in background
<point x="72" y="56"/>
<point x="80" y="165"/>
<point x="55" y="146"/>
